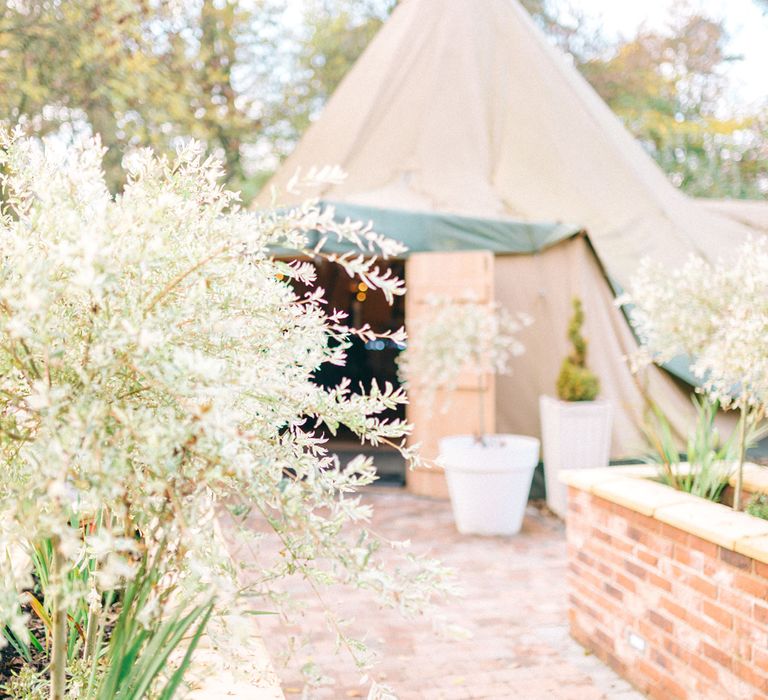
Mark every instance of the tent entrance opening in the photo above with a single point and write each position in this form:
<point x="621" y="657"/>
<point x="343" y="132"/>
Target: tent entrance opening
<point x="374" y="361"/>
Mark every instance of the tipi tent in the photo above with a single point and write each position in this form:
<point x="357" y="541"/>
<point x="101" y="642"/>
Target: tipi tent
<point x="461" y="127"/>
<point x="752" y="213"/>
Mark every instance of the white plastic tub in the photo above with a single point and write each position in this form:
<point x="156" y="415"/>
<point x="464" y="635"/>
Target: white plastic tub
<point x="489" y="481"/>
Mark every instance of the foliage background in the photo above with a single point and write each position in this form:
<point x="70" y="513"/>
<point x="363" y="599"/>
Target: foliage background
<point x="247" y="77"/>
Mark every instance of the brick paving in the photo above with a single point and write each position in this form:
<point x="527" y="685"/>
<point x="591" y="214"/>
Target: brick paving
<point x="513" y="608"/>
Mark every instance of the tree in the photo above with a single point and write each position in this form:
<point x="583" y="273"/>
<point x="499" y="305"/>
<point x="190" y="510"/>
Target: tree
<point x="570" y="32"/>
<point x="158" y="368"/>
<point x="136" y="72"/>
<point x="222" y="116"/>
<point x="327" y="43"/>
<point x="667" y="87"/>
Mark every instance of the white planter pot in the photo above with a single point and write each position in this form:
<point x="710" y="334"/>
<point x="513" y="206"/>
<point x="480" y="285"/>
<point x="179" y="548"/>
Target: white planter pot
<point x="489" y="481"/>
<point x="574" y="435"/>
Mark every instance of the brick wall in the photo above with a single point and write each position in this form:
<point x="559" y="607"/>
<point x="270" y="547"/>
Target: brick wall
<point x="676" y="615"/>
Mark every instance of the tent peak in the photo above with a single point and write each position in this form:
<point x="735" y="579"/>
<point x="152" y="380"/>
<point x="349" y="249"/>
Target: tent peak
<point x="467" y="108"/>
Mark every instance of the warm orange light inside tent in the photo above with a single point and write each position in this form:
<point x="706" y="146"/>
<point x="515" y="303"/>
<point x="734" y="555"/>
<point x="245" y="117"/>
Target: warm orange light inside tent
<point x="360" y="296"/>
<point x="363" y="287"/>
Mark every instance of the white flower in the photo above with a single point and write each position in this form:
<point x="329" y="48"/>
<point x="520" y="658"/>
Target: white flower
<point x="17" y="328"/>
<point x="717" y="314"/>
<point x="456" y="338"/>
<point x="115" y="570"/>
<point x="39" y="397"/>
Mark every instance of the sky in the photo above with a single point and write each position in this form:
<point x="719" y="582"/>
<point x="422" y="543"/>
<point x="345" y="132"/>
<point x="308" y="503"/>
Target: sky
<point x="747" y="27"/>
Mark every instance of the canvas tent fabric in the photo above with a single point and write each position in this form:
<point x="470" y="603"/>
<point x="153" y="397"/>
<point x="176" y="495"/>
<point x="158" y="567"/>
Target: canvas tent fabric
<point x="461" y="125"/>
<point x="543" y="286"/>
<point x="465" y="108"/>
<point x="752" y="213"/>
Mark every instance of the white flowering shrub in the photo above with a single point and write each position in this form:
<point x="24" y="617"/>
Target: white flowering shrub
<point x="715" y="313"/>
<point x="156" y="365"/>
<point x="459" y="337"/>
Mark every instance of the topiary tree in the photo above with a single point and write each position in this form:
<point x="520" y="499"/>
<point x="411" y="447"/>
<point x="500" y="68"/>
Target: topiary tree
<point x="575" y="381"/>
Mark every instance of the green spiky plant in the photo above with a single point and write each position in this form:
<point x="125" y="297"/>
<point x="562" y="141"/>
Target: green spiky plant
<point x="575" y="381"/>
<point x="709" y="461"/>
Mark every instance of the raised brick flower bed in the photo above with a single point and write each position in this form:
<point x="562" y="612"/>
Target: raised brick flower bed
<point x="667" y="588"/>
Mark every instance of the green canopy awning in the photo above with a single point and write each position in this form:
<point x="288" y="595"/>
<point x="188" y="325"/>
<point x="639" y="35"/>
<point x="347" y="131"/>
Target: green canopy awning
<point x="430" y="231"/>
<point x="437" y="231"/>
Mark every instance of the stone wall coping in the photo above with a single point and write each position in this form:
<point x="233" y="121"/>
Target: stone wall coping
<point x="755" y="478"/>
<point x="633" y="487"/>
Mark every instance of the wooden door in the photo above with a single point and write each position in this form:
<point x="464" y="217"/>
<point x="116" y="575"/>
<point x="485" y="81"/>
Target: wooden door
<point x="459" y="276"/>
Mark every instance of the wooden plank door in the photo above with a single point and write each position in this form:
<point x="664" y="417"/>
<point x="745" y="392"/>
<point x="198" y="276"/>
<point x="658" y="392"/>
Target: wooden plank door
<point x="461" y="277"/>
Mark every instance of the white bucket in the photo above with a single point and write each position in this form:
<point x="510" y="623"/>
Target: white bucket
<point x="489" y="481"/>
